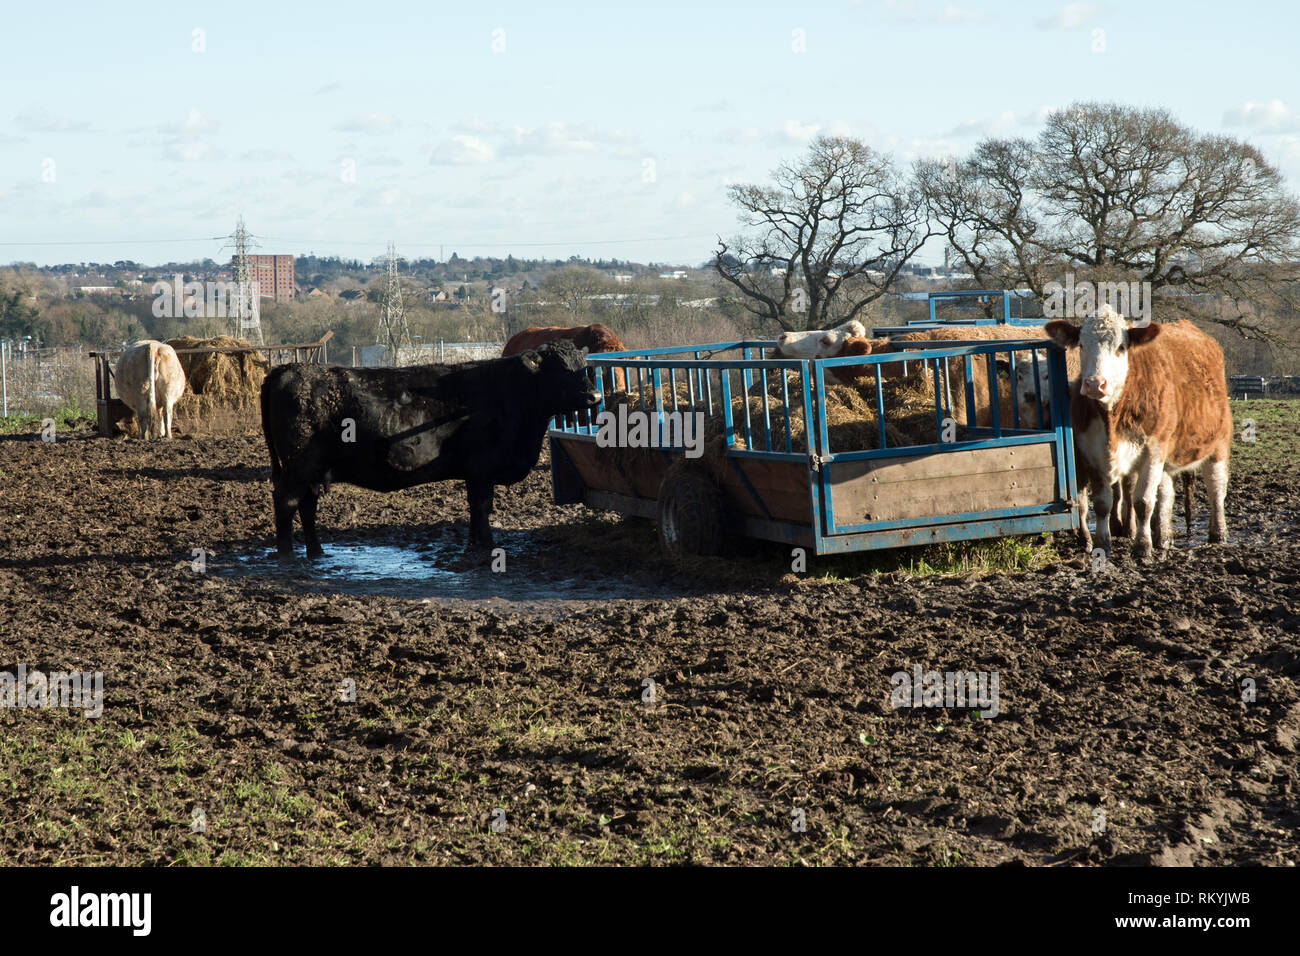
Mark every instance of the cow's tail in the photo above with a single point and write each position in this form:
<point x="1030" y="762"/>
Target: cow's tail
<point x="153" y="389"/>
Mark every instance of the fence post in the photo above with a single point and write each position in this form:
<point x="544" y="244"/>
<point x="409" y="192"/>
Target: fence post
<point x="4" y="380"/>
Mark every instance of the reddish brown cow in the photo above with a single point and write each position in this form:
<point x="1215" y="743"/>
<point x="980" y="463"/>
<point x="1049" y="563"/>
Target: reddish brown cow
<point x="1153" y="403"/>
<point x="593" y="338"/>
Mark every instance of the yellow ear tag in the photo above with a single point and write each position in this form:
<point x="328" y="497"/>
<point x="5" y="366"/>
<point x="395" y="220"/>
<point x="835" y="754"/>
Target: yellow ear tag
<point x="531" y="360"/>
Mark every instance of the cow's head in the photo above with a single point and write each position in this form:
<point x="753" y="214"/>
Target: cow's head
<point x="817" y="343"/>
<point x="1104" y="340"/>
<point x="1029" y="397"/>
<point x="560" y="371"/>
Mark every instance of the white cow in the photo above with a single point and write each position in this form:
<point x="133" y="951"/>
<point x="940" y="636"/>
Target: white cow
<point x="818" y="344"/>
<point x="151" y="381"/>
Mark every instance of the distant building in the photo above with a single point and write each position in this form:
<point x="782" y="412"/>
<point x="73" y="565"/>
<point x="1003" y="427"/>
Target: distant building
<point x="675" y="274"/>
<point x="274" y="276"/>
<point x="622" y="278"/>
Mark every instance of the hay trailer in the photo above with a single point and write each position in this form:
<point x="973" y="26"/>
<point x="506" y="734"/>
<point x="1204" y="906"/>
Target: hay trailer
<point x="805" y="489"/>
<point x="110" y="410"/>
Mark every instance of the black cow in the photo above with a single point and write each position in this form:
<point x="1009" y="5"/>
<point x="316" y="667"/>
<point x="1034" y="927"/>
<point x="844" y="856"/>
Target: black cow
<point x="393" y="428"/>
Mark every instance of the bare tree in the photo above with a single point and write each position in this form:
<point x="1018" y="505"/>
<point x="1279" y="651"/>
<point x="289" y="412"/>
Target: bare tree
<point x="831" y="235"/>
<point x="1116" y="192"/>
<point x="573" y="284"/>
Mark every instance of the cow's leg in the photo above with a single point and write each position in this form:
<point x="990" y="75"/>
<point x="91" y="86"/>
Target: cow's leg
<point x="1130" y="495"/>
<point x="284" y="509"/>
<point x="1121" y="507"/>
<point x="1149" y="475"/>
<point x="1103" y="499"/>
<point x="307" y="512"/>
<point x="1215" y="475"/>
<point x="1187" y="500"/>
<point x="480" y="494"/>
<point x="1162" y="529"/>
<point x="1085" y="536"/>
<point x="1121" y="518"/>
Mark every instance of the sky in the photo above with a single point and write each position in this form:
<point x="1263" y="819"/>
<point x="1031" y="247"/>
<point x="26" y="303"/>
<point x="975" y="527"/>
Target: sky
<point x="603" y="130"/>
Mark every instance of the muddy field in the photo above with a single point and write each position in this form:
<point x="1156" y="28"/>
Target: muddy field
<point x="509" y="717"/>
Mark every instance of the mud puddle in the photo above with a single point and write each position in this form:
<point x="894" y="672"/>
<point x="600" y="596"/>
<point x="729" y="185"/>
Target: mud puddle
<point x="439" y="570"/>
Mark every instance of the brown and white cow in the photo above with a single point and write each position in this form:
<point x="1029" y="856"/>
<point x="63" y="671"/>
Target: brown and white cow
<point x="1153" y="403"/>
<point x="819" y="343"/>
<point x="150" y="381"/>
<point x="593" y="338"/>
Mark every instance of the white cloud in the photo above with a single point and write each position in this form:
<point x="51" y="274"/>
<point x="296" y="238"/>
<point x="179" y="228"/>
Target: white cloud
<point x="1273" y="116"/>
<point x="1072" y="16"/>
<point x="998" y="125"/>
<point x="955" y="14"/>
<point x="195" y="123"/>
<point x="265" y="156"/>
<point x="477" y="126"/>
<point x="848" y="130"/>
<point x="795" y="131"/>
<point x="188" y="152"/>
<point x="745" y="136"/>
<point x="184" y="141"/>
<point x="897" y="11"/>
<point x="463" y="150"/>
<point x="39" y="121"/>
<point x="552" y="139"/>
<point x="1001" y="124"/>
<point x="1288" y="149"/>
<point x="369" y="123"/>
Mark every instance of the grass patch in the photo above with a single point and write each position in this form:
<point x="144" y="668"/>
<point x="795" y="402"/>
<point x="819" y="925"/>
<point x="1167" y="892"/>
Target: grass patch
<point x="1265" y="431"/>
<point x="67" y="417"/>
<point x="1027" y="553"/>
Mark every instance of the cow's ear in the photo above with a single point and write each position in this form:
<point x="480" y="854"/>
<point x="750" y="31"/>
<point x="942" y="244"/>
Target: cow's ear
<point x="1142" y="334"/>
<point x="532" y="360"/>
<point x="584" y="351"/>
<point x="1064" y="334"/>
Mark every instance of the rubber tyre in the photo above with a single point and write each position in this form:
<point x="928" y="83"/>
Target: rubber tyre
<point x="690" y="515"/>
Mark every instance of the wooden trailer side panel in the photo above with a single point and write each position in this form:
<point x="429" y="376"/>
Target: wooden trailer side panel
<point x="781" y="487"/>
<point x="982" y="479"/>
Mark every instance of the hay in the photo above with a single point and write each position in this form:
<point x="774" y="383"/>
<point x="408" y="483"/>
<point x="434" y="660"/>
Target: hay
<point x="851" y="422"/>
<point x="234" y="379"/>
<point x="222" y="389"/>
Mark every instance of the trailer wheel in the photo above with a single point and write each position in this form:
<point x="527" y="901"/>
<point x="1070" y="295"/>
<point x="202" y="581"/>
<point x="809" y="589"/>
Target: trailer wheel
<point x="690" y="515"/>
